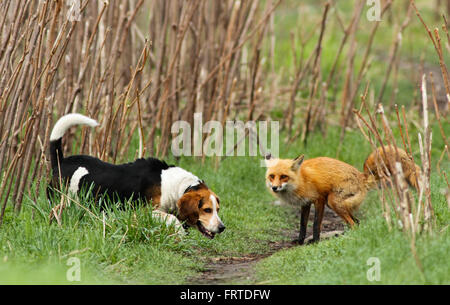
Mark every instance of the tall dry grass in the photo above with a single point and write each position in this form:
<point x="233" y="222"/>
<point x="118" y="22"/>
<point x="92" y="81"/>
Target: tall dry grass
<point x="135" y="66"/>
<point x="413" y="214"/>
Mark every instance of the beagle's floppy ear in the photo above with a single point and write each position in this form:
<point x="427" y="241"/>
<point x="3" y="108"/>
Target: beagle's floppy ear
<point x="297" y="162"/>
<point x="188" y="208"/>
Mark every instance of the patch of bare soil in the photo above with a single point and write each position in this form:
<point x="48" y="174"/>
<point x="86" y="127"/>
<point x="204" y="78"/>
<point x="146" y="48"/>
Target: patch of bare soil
<point x="240" y="270"/>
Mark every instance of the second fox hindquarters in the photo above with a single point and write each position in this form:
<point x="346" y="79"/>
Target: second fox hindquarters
<point x="319" y="181"/>
<point x="379" y="165"/>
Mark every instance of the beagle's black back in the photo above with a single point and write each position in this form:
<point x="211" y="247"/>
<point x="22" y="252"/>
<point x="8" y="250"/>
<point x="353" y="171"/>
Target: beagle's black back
<point x="124" y="181"/>
<point x="137" y="180"/>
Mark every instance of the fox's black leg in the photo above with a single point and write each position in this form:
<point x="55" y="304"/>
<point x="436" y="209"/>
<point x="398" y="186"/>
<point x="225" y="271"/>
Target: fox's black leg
<point x="303" y="223"/>
<point x="318" y="216"/>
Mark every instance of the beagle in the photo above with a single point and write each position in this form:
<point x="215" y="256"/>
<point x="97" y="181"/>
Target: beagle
<point x="170" y="189"/>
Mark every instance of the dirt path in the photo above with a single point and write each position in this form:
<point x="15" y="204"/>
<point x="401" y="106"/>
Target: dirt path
<point x="240" y="270"/>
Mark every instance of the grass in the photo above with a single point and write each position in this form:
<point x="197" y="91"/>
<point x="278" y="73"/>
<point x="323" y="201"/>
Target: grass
<point x="136" y="249"/>
<point x="132" y="240"/>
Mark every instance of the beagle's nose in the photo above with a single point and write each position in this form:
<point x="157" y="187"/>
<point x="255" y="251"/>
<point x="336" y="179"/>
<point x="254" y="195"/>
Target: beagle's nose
<point x="221" y="228"/>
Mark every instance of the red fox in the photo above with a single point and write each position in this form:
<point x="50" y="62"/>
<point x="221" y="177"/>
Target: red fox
<point x="411" y="170"/>
<point x="319" y="181"/>
<point x="326" y="181"/>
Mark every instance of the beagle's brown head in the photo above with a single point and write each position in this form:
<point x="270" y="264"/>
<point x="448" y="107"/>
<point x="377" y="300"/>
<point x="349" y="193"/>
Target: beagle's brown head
<point x="199" y="208"/>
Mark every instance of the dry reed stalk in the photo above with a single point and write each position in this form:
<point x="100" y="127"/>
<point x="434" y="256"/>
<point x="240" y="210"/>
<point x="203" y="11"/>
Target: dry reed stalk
<point x="437" y="114"/>
<point x="425" y="152"/>
<point x="311" y="67"/>
<point x="316" y="75"/>
<point x="349" y="95"/>
<point x="299" y="76"/>
<point x="351" y="28"/>
<point x="393" y="53"/>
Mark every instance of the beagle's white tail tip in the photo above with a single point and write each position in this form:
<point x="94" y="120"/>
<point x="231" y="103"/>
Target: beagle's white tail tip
<point x="69" y="120"/>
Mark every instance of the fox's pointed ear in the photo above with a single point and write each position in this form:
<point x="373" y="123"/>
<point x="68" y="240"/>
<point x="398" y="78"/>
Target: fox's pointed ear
<point x="297" y="162"/>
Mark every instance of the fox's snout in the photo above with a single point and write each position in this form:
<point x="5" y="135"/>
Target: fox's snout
<point x="276" y="187"/>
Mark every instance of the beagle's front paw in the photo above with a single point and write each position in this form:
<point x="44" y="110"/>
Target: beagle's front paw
<point x="169" y="220"/>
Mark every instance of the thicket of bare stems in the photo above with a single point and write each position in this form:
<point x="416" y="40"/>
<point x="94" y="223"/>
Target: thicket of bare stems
<point x="412" y="214"/>
<point x="137" y="66"/>
<point x="400" y="208"/>
<point x="57" y="57"/>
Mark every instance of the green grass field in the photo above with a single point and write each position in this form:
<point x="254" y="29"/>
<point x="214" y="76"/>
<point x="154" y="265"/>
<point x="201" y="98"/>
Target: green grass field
<point x="132" y="248"/>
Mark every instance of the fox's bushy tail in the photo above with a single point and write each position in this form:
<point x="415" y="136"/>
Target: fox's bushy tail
<point x="58" y="131"/>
